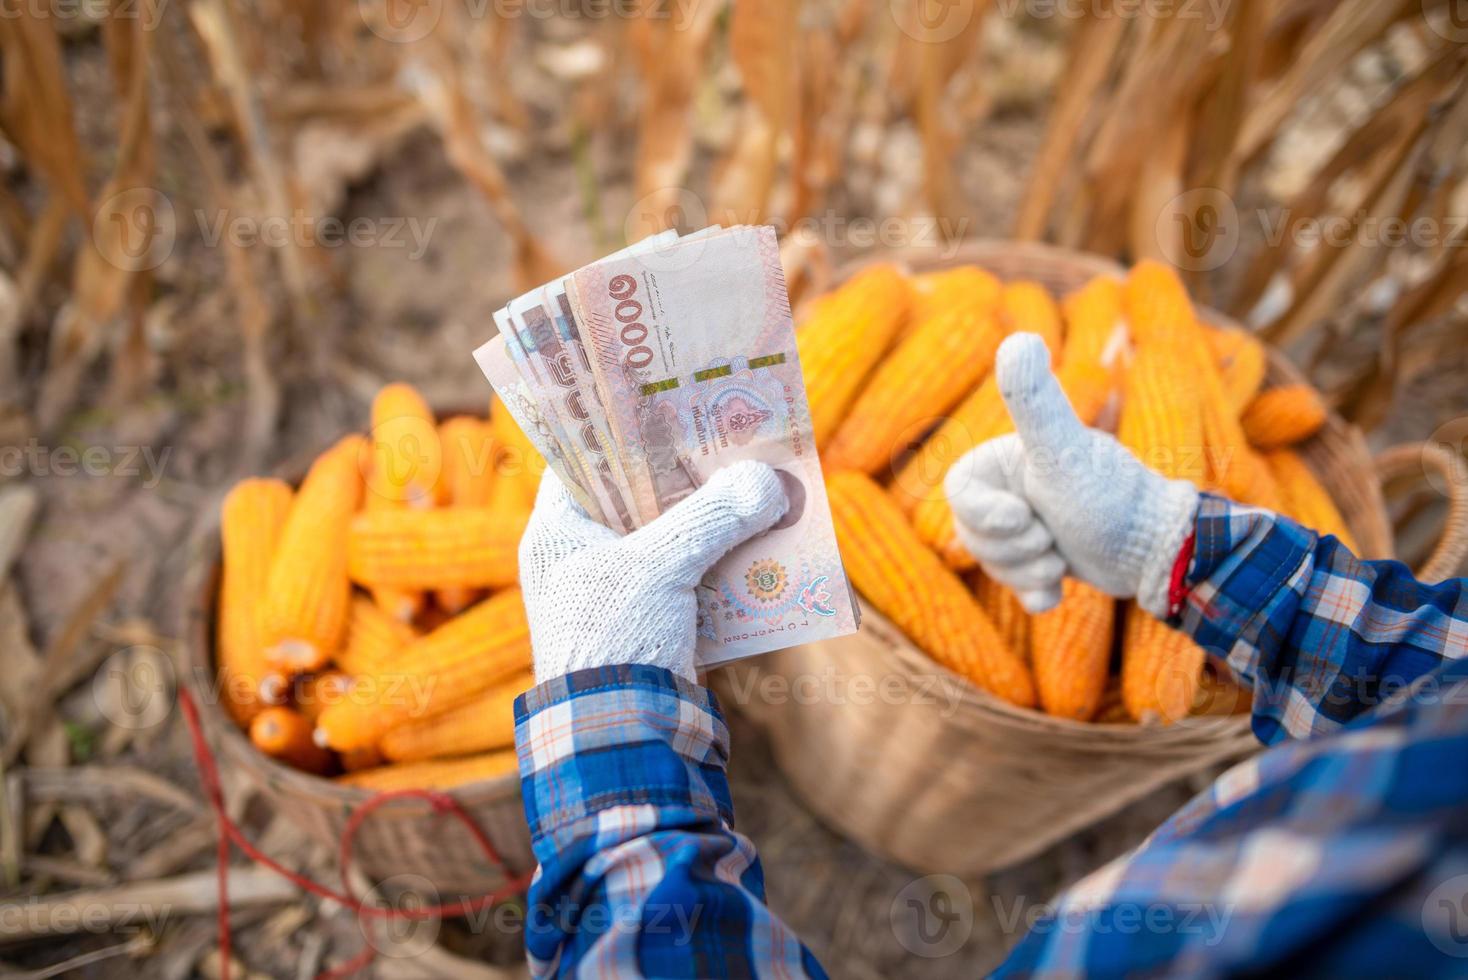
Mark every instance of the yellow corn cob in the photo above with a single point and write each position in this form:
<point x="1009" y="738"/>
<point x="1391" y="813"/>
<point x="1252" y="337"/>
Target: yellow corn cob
<point x="482" y="646"/>
<point x="486" y="722"/>
<point x="438" y="774"/>
<point x="1217" y="696"/>
<point x="1242" y="361"/>
<point x="407" y="458"/>
<point x="1111" y="710"/>
<point x="918" y="486"/>
<point x="1004" y="610"/>
<point x="1027" y="307"/>
<point x="1093" y="322"/>
<point x="1283" y="416"/>
<point x="318" y="692"/>
<point x="1157" y="307"/>
<point x="251" y="519"/>
<point x="978" y="417"/>
<point x="936" y="293"/>
<point x="469" y="456"/>
<point x="358" y="759"/>
<point x="407" y="465"/>
<point x="305" y="611"/>
<point x="404" y="605"/>
<point x="908" y="584"/>
<point x="1305" y="500"/>
<point x="929" y="372"/>
<point x="373" y="638"/>
<point x="285" y="734"/>
<point x="1071" y="647"/>
<point x="1160" y="418"/>
<point x="518" y="463"/>
<point x="845" y="337"/>
<point x="1161" y="668"/>
<point x="451" y="547"/>
<point x="1162" y="423"/>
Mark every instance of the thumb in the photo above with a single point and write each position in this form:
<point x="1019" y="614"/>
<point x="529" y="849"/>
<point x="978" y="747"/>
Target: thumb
<point x="736" y="503"/>
<point x="1041" y="412"/>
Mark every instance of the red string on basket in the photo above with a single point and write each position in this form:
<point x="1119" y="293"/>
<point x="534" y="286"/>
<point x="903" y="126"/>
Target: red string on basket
<point x="229" y="832"/>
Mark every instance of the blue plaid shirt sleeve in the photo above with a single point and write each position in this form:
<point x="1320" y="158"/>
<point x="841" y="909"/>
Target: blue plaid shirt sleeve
<point x="641" y="871"/>
<point x="1339" y="855"/>
<point x="1319" y="635"/>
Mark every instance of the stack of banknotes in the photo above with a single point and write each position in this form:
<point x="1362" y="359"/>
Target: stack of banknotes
<point x="642" y="374"/>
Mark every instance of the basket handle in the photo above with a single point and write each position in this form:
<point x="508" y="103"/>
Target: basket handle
<point x="1418" y="460"/>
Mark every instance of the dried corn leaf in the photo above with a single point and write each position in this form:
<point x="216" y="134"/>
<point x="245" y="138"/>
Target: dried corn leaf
<point x="1092" y="52"/>
<point x="36" y="111"/>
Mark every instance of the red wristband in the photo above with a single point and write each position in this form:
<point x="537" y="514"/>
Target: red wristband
<point x="1177" y="588"/>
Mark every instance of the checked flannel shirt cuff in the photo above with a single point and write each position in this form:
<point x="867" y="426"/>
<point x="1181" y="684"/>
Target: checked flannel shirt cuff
<point x="618" y="736"/>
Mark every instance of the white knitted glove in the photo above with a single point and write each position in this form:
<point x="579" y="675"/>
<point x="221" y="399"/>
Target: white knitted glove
<point x="1057" y="498"/>
<point x="595" y="597"/>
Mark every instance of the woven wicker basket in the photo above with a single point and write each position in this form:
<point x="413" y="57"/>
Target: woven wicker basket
<point x="922" y="768"/>
<point x="401" y="837"/>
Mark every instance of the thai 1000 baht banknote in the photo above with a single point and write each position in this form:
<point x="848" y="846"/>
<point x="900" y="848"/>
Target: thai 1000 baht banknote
<point x="515" y="395"/>
<point x="694" y="356"/>
<point x="546" y="328"/>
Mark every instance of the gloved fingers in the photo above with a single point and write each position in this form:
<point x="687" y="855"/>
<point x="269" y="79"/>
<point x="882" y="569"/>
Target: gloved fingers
<point x="736" y="503"/>
<point x="1038" y="601"/>
<point x="1013" y="549"/>
<point x="991" y="467"/>
<point x="558" y="526"/>
<point x="1042" y="414"/>
<point x="1036" y="575"/>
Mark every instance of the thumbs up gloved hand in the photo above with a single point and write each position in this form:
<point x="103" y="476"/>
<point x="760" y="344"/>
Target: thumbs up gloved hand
<point x="596" y="598"/>
<point x="1057" y="498"/>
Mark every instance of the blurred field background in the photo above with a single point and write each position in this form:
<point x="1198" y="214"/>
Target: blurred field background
<point x="224" y="224"/>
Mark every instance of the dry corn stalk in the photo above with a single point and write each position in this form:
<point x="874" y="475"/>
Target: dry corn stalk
<point x="908" y="584"/>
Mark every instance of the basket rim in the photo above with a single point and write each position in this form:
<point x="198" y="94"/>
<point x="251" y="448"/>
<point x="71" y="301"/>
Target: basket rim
<point x="199" y="634"/>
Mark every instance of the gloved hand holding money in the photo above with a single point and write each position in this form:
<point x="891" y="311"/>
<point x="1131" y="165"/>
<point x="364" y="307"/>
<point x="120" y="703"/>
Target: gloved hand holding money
<point x="640" y="376"/>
